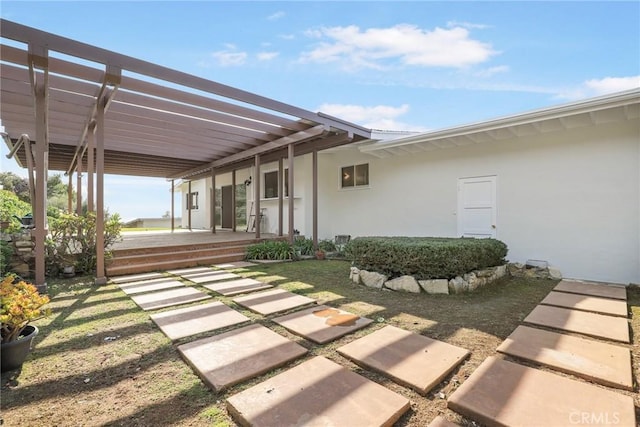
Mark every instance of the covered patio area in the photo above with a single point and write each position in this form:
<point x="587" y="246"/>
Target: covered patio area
<point x="68" y="106"/>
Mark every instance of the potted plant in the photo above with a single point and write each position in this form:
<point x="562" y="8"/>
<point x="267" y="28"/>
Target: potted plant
<point x="21" y="303"/>
<point x="320" y="254"/>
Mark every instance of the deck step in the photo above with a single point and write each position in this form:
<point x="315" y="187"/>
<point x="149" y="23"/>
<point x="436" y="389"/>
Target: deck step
<point x="177" y="262"/>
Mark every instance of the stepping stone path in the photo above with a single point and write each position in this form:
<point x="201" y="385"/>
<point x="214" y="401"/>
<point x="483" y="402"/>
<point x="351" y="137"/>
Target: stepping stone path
<point x="595" y="325"/>
<point x="322" y="324"/>
<point x="237" y="264"/>
<point x="593" y="289"/>
<point x="156" y="300"/>
<point x="608" y="306"/>
<point x="408" y="358"/>
<point x="150" y="285"/>
<point x="593" y="360"/>
<point x="191" y="270"/>
<point x="236" y="287"/>
<point x="274" y="301"/>
<point x="187" y="321"/>
<point x="318" y="392"/>
<point x="232" y="357"/>
<point x="211" y="276"/>
<point x="505" y="393"/>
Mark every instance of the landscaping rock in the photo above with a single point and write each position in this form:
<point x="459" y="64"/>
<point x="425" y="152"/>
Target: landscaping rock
<point x="403" y="283"/>
<point x="516" y="269"/>
<point x="354" y="275"/>
<point x="372" y="279"/>
<point x="435" y="286"/>
<point x="555" y="273"/>
<point x="501" y="271"/>
<point x="458" y="285"/>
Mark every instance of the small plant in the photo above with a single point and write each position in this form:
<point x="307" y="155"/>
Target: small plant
<point x="303" y="247"/>
<point x="327" y="245"/>
<point x="21" y="303"/>
<point x="270" y="250"/>
<point x="6" y="253"/>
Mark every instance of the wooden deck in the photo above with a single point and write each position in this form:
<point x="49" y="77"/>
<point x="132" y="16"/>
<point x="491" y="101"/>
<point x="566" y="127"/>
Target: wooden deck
<point x="142" y="252"/>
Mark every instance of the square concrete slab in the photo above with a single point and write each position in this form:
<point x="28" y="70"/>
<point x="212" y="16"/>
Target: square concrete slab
<point x="177" y="296"/>
<point x="408" y="358"/>
<point x="317" y="392"/>
<point x="211" y="277"/>
<point x="235" y="356"/>
<point x="235" y="287"/>
<point x="593" y="289"/>
<point x="600" y="362"/>
<point x="581" y="322"/>
<point x="187" y="321"/>
<point x="612" y="307"/>
<point x="501" y="393"/>
<point x="322" y="324"/>
<point x="191" y="270"/>
<point x="274" y="301"/>
<point x="150" y="285"/>
<point x="136" y="277"/>
<point x="236" y="264"/>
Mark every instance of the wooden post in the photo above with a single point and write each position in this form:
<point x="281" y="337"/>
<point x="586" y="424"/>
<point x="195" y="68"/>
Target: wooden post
<point x="101" y="277"/>
<point x="256" y="196"/>
<point x="91" y="146"/>
<point x="314" y="161"/>
<point x="79" y="186"/>
<point x="233" y="200"/>
<point x="189" y="204"/>
<point x="280" y="197"/>
<point x="291" y="194"/>
<point x="173" y="205"/>
<point x="213" y="200"/>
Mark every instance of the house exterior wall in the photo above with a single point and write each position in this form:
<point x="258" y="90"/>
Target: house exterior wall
<point x="570" y="197"/>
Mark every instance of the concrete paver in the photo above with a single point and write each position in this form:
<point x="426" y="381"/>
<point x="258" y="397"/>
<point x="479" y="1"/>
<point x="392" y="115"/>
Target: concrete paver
<point x="502" y="393"/>
<point x="136" y="277"/>
<point x="232" y="357"/>
<point x="183" y="322"/>
<point x="235" y="264"/>
<point x="593" y="289"/>
<point x="171" y="297"/>
<point x="410" y="359"/>
<point x="274" y="301"/>
<point x="597" y="361"/>
<point x="612" y="307"/>
<point x="322" y="324"/>
<point x="191" y="270"/>
<point x="582" y="322"/>
<point x="236" y="287"/>
<point x="133" y="288"/>
<point x="317" y="392"/>
<point x="210" y="277"/>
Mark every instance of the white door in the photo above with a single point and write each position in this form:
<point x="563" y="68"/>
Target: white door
<point x="477" y="207"/>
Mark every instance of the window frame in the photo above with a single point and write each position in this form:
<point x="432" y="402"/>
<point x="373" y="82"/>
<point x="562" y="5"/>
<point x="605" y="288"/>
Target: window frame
<point x="285" y="184"/>
<point x="354" y="176"/>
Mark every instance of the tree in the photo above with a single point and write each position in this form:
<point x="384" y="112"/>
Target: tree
<point x="15" y="184"/>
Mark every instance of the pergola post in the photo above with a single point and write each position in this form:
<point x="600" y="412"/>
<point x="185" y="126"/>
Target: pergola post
<point x="173" y="205"/>
<point x="189" y="204"/>
<point x="280" y="197"/>
<point x="291" y="198"/>
<point x="213" y="200"/>
<point x="256" y="196"/>
<point x="90" y="166"/>
<point x="314" y="180"/>
<point x="79" y="186"/>
<point x="70" y="194"/>
<point x="101" y="277"/>
<point x="233" y="200"/>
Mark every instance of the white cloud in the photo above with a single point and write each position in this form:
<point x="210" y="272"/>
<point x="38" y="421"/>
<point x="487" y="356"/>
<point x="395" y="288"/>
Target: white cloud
<point x="490" y="72"/>
<point x="276" y="16"/>
<point x="468" y="25"/>
<point x="267" y="56"/>
<point x="407" y="44"/>
<point x="228" y="58"/>
<point x="383" y="117"/>
<point x="596" y="87"/>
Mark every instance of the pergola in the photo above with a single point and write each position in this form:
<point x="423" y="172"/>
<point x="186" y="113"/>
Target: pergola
<point x="68" y="106"/>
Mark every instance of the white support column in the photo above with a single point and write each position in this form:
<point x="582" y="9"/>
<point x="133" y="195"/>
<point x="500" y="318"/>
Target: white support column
<point x="314" y="161"/>
<point x="101" y="277"/>
<point x="291" y="194"/>
<point x="280" y="197"/>
<point x="91" y="147"/>
<point x="213" y="200"/>
<point x="256" y="195"/>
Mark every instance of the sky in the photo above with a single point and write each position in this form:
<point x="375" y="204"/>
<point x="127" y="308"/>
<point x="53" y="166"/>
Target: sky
<point x="385" y="65"/>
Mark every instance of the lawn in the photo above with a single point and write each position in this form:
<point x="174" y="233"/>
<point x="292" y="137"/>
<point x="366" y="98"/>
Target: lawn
<point x="100" y="360"/>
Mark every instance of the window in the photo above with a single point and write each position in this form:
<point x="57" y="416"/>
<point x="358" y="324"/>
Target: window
<point x="192" y="201"/>
<point x="355" y="176"/>
<point x="271" y="184"/>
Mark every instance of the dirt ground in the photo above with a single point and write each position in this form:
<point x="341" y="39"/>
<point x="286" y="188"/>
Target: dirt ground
<point x="100" y="360"/>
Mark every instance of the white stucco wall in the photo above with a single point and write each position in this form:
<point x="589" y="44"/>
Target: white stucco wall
<point x="571" y="198"/>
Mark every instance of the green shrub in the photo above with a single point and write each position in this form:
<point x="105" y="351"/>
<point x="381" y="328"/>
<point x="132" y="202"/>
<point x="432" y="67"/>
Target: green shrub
<point x="425" y="257"/>
<point x="6" y="253"/>
<point x="10" y="206"/>
<point x="303" y="246"/>
<point x="270" y="250"/>
<point x="327" y="245"/>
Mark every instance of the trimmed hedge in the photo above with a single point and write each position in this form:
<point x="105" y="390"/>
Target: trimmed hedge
<point x="425" y="257"/>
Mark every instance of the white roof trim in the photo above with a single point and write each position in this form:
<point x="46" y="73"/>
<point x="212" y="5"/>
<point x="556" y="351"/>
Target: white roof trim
<point x="491" y="129"/>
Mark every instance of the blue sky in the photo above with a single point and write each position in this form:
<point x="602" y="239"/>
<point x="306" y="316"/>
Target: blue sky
<point x="386" y="65"/>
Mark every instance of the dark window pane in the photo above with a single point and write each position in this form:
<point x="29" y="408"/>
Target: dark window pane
<point x="271" y="185"/>
<point x="347" y="176"/>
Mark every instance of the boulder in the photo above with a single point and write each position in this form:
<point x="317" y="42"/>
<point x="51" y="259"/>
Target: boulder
<point x="555" y="273"/>
<point x="354" y="275"/>
<point x="458" y="285"/>
<point x="435" y="286"/>
<point x="372" y="279"/>
<point x="403" y="283"/>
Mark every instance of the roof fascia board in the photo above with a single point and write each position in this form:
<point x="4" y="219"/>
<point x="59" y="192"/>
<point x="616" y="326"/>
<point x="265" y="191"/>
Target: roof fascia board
<point x="550" y="113"/>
